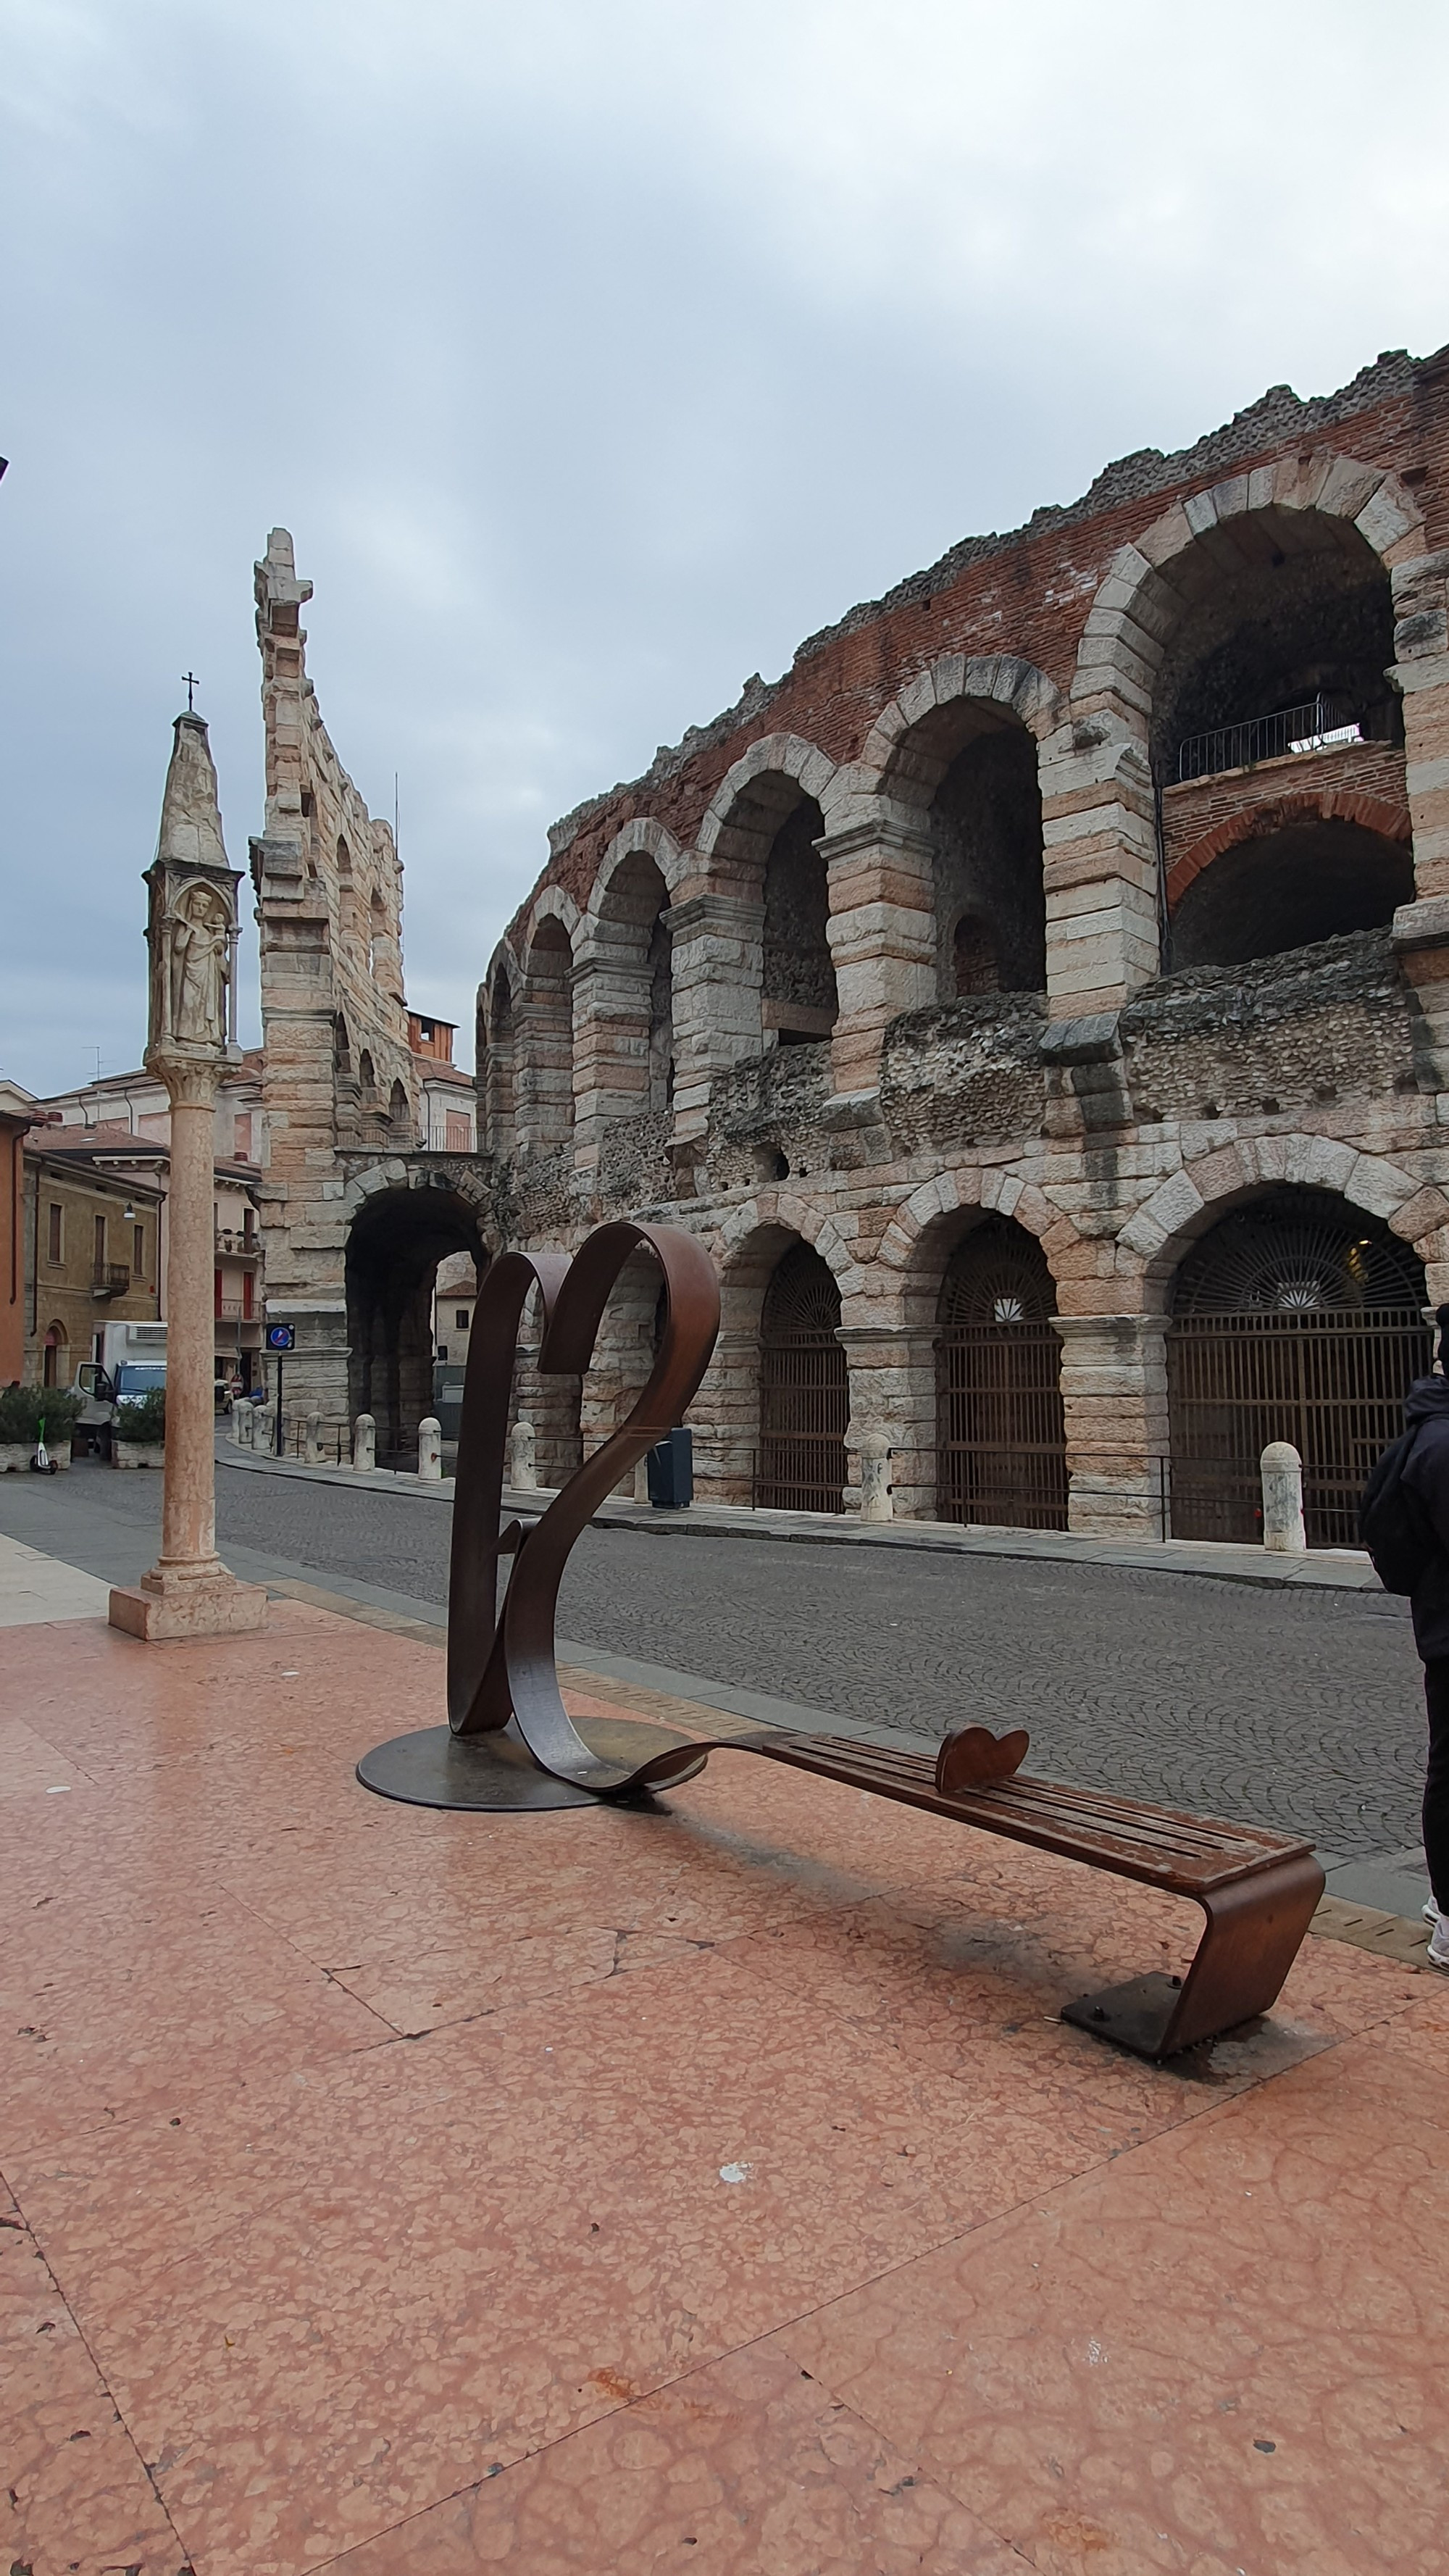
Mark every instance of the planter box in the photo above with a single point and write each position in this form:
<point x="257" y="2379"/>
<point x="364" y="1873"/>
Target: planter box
<point x="137" y="1453"/>
<point x="15" y="1455"/>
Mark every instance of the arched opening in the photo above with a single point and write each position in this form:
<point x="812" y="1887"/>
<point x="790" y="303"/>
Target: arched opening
<point x="55" y="1367"/>
<point x="799" y="996"/>
<point x="344" y="856"/>
<point x="399" y="1115"/>
<point x="1308" y="880"/>
<point x="804" y="1389"/>
<point x="1282" y="631"/>
<point x="367" y="1080"/>
<point x="499" y="1076"/>
<point x="341" y="1050"/>
<point x="377" y="932"/>
<point x="1001" y="1450"/>
<point x="986" y="832"/>
<point x="1298" y="1318"/>
<point x="545" y="1061"/>
<point x="634" y="1016"/>
<point x="397" y="1239"/>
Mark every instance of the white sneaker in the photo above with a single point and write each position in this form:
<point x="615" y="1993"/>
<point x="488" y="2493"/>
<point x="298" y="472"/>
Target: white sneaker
<point x="1431" y="1911"/>
<point x="1437" y="1953"/>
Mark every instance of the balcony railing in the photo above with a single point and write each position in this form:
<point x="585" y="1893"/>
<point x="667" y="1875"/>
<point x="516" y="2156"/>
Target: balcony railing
<point x="111" y="1279"/>
<point x="231" y="1239"/>
<point x="1321" y="724"/>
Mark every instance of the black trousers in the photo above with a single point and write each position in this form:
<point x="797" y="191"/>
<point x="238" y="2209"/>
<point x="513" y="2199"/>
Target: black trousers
<point x="1436" y="1781"/>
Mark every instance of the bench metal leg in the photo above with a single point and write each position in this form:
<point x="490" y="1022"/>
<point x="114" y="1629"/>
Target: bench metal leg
<point x="1253" y="1933"/>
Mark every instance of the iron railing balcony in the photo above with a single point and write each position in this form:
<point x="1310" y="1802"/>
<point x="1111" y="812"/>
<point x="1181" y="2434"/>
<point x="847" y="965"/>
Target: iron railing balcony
<point x="111" y="1279"/>
<point x="1320" y="724"/>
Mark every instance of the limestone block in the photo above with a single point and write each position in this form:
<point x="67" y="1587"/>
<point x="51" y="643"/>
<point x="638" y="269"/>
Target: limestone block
<point x="1383" y="522"/>
<point x="1378" y="1186"/>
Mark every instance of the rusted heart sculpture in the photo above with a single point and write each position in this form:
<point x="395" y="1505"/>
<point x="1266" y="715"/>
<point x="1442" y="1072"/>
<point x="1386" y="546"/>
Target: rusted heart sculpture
<point x="501" y="1663"/>
<point x="974" y="1758"/>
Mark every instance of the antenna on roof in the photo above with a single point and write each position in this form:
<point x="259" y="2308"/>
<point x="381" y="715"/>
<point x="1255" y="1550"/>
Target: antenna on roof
<point x="394" y="815"/>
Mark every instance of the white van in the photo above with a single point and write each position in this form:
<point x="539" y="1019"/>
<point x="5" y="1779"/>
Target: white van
<point x="132" y="1362"/>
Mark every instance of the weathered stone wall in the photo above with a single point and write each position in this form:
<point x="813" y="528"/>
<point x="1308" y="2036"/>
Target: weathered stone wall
<point x="1109" y="1109"/>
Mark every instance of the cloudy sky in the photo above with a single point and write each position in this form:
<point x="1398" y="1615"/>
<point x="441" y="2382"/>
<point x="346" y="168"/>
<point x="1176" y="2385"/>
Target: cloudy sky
<point x="595" y="351"/>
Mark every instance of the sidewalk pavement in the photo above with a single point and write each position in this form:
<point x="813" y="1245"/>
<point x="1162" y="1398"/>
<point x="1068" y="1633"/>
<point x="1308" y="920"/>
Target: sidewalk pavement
<point x="1337" y="1569"/>
<point x="709" y="2185"/>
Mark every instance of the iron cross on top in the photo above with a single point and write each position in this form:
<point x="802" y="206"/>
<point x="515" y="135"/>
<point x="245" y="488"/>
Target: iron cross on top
<point x="192" y="684"/>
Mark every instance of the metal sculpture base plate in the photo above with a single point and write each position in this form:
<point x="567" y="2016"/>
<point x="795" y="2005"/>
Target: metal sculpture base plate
<point x="496" y="1773"/>
<point x="1137" y="2015"/>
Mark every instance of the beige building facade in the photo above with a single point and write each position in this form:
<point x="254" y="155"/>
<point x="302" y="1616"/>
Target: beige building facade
<point x="1036" y="999"/>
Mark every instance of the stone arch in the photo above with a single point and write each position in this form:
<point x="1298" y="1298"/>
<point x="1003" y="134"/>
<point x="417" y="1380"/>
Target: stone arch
<point x="754" y="796"/>
<point x="495" y="1059"/>
<point x="54" y="1355"/>
<point x="643" y="835"/>
<point x="1152" y="1245"/>
<point x="956" y="757"/>
<point x="897" y="759"/>
<point x="748" y="1248"/>
<point x="1281" y="874"/>
<point x="626" y="1036"/>
<point x="921" y="1236"/>
<point x="1294" y="1314"/>
<point x="396" y="1235"/>
<point x="1390" y="822"/>
<point x="1140" y="603"/>
<point x="544" y="1030"/>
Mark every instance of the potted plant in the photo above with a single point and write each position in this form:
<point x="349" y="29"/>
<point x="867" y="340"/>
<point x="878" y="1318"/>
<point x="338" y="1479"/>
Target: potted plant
<point x="22" y="1411"/>
<point x="138" y="1433"/>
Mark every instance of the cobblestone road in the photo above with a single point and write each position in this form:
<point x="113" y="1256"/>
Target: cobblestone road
<point x="1302" y="1710"/>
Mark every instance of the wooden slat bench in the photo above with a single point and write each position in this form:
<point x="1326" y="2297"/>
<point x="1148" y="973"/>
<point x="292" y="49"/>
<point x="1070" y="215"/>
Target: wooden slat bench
<point x="1258" y="1890"/>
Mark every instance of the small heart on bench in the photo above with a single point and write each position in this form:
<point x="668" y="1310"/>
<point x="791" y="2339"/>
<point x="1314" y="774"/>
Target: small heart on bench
<point x="974" y="1758"/>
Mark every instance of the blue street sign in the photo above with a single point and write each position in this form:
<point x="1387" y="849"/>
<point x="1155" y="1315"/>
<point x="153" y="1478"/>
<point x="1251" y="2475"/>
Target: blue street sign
<point x="281" y="1337"/>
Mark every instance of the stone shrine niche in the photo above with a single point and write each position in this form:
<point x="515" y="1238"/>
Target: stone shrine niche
<point x="192" y="936"/>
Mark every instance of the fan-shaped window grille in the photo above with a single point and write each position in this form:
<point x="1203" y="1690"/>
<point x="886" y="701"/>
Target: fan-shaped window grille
<point x="804" y="1390"/>
<point x="1298" y="1318"/>
<point x="1001" y="1439"/>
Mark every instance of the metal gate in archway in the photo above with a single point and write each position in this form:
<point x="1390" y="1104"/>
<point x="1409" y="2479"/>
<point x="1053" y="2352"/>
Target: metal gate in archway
<point x="1296" y="1319"/>
<point x="804" y="1390"/>
<point x="1001" y="1447"/>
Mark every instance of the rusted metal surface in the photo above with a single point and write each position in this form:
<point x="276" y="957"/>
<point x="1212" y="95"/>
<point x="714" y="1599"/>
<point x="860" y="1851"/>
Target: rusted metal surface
<point x="511" y="1744"/>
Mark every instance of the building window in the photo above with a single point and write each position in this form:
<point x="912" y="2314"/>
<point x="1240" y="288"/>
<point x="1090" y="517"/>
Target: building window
<point x="138" y="1250"/>
<point x="249" y="1282"/>
<point x="216" y="1278"/>
<point x="100" y="1243"/>
<point x="460" y="1318"/>
<point x="242" y="1139"/>
<point x="53" y="1236"/>
<point x="457" y="1132"/>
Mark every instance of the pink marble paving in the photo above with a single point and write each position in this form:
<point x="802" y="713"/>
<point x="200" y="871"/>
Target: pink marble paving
<point x="713" y="2188"/>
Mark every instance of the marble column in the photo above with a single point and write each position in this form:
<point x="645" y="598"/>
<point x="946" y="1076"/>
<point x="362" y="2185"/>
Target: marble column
<point x="192" y="938"/>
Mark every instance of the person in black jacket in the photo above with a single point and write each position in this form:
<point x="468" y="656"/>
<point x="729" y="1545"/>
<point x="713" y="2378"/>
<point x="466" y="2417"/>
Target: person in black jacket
<point x="1426" y="1473"/>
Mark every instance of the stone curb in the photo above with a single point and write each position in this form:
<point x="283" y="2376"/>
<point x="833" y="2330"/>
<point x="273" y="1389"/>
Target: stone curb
<point x="1362" y="1927"/>
<point x="1327" y="1571"/>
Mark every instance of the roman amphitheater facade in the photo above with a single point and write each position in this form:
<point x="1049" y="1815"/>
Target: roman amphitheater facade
<point x="1036" y="1000"/>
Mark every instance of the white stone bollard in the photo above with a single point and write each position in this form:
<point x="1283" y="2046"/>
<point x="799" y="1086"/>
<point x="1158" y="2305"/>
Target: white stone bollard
<point x="641" y="1479"/>
<point x="312" y="1440"/>
<point x="264" y="1427"/>
<point x="875" y="1477"/>
<point x="430" y="1449"/>
<point x="364" y="1445"/>
<point x="522" y="1470"/>
<point x="1283" y="1499"/>
<point x="241" y="1423"/>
